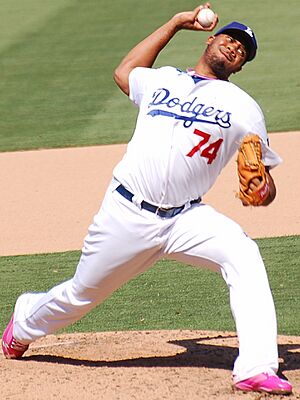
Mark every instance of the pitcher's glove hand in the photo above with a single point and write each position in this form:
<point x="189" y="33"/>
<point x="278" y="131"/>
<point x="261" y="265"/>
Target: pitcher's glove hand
<point x="254" y="186"/>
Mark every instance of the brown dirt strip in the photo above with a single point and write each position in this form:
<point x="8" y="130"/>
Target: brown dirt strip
<point x="49" y="197"/>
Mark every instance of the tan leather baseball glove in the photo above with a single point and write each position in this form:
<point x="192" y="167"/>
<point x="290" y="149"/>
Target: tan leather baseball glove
<point x="250" y="167"/>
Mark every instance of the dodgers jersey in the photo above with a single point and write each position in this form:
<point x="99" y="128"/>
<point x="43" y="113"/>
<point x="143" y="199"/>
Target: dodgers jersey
<point x="187" y="129"/>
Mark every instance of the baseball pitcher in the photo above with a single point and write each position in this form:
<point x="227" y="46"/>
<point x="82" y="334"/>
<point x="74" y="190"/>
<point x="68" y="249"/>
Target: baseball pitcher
<point x="190" y="123"/>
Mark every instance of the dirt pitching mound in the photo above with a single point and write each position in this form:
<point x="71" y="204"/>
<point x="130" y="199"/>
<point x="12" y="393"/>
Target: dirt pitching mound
<point x="139" y="365"/>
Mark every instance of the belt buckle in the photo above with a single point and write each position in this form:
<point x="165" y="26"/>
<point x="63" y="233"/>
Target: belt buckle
<point x="158" y="209"/>
<point x="163" y="209"/>
<point x="168" y="212"/>
<point x="163" y="212"/>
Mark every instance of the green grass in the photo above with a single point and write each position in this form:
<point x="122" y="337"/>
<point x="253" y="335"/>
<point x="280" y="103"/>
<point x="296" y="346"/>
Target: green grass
<point x="168" y="296"/>
<point x="56" y="65"/>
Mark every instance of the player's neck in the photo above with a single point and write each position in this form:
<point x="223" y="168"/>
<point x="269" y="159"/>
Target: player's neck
<point x="204" y="69"/>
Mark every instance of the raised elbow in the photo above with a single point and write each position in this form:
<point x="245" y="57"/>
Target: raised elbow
<point x="121" y="79"/>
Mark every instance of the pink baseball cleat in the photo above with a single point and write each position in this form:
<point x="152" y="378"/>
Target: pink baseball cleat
<point x="10" y="346"/>
<point x="265" y="383"/>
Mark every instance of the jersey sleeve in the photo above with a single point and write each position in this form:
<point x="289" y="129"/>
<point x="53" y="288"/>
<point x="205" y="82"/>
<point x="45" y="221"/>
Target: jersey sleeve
<point x="257" y="125"/>
<point x="140" y="79"/>
<point x="270" y="158"/>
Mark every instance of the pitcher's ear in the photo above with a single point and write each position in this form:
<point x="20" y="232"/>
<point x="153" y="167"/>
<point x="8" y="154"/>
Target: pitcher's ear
<point x="210" y="40"/>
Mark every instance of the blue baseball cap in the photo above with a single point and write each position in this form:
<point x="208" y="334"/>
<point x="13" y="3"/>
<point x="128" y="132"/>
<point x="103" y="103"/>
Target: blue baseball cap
<point x="242" y="33"/>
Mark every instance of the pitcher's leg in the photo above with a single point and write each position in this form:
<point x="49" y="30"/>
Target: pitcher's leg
<point x="113" y="253"/>
<point x="206" y="238"/>
<point x="40" y="314"/>
<point x="254" y="312"/>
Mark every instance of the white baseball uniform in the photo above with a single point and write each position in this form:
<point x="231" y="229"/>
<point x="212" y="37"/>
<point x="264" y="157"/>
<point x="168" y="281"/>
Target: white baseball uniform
<point x="187" y="130"/>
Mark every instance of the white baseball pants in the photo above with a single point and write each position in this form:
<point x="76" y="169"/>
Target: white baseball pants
<point x="124" y="241"/>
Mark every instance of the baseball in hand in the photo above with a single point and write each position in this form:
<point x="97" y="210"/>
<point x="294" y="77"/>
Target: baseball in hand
<point x="205" y="17"/>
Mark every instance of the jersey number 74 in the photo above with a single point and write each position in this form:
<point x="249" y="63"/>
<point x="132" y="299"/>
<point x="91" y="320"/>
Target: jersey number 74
<point x="207" y="150"/>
